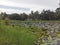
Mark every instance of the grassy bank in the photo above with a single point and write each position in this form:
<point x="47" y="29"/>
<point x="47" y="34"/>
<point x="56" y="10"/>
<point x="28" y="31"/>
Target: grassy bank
<point x="16" y="35"/>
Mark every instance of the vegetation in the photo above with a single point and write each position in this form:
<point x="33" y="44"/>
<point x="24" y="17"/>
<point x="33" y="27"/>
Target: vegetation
<point x="16" y="35"/>
<point x="44" y="15"/>
<point x="20" y="35"/>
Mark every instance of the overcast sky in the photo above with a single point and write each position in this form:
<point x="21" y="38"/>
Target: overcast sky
<point x="18" y="6"/>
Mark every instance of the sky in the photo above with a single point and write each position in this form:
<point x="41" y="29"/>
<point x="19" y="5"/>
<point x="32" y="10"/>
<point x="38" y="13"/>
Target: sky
<point x="20" y="6"/>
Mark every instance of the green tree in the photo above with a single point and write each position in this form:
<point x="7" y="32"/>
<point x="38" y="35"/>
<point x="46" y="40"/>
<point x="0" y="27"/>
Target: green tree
<point x="47" y="15"/>
<point x="23" y="16"/>
<point x="34" y="15"/>
<point x="14" y="16"/>
<point x="58" y="13"/>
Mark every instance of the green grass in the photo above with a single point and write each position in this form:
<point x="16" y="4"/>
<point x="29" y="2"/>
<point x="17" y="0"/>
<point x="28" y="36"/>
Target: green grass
<point x="15" y="35"/>
<point x="42" y="21"/>
<point x="19" y="35"/>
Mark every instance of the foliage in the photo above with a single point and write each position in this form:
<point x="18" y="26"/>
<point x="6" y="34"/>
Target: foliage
<point x="16" y="35"/>
<point x="40" y="33"/>
<point x="44" y="15"/>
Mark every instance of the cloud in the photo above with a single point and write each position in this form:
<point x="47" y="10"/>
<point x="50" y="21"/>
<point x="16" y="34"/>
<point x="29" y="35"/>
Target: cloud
<point x="52" y="3"/>
<point x="29" y="4"/>
<point x="16" y="8"/>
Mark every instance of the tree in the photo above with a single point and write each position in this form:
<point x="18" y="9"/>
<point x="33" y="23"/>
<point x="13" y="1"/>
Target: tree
<point x="47" y="15"/>
<point x="23" y="16"/>
<point x="31" y="15"/>
<point x="14" y="16"/>
<point x="58" y="13"/>
<point x="34" y="15"/>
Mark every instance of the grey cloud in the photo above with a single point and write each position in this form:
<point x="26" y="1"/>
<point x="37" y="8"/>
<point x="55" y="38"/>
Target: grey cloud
<point x="16" y="8"/>
<point x="51" y="3"/>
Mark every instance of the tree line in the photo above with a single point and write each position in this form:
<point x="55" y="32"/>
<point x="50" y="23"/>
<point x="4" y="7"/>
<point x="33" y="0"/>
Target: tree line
<point x="44" y="15"/>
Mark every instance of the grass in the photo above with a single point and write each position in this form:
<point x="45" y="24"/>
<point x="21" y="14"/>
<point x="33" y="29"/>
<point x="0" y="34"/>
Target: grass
<point x="42" y="21"/>
<point x="19" y="35"/>
<point x="16" y="35"/>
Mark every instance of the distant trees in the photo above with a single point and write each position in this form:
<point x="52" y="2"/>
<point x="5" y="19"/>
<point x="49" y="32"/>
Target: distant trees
<point x="14" y="16"/>
<point x="58" y="13"/>
<point x="47" y="15"/>
<point x="44" y="15"/>
<point x="34" y="15"/>
<point x="23" y="16"/>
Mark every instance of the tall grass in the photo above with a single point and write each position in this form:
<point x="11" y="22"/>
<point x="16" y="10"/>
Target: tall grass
<point x="16" y="35"/>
